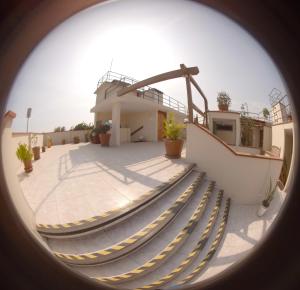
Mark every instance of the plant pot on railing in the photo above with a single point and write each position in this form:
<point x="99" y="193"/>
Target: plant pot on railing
<point x="172" y="132"/>
<point x="223" y="107"/>
<point x="224" y="101"/>
<point x="36" y="152"/>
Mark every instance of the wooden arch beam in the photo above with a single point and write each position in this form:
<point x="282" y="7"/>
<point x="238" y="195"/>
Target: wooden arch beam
<point x="159" y="78"/>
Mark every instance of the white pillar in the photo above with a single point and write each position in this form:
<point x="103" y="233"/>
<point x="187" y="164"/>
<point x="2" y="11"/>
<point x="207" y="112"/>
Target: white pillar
<point x="116" y="121"/>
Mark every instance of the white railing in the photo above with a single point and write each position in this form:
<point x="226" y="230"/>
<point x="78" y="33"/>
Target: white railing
<point x="147" y="93"/>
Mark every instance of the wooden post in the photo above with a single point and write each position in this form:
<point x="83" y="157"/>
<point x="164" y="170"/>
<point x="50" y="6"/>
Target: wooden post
<point x="189" y="95"/>
<point x="193" y="81"/>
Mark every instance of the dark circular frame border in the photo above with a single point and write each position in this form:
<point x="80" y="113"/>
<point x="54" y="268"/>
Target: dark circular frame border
<point x="274" y="264"/>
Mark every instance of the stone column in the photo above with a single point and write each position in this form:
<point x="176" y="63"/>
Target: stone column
<point x="116" y="121"/>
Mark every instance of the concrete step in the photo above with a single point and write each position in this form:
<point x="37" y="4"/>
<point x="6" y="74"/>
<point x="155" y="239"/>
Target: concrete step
<point x="169" y="250"/>
<point x="186" y="266"/>
<point x="137" y="239"/>
<point x="213" y="247"/>
<point x="109" y="218"/>
<point x="141" y="259"/>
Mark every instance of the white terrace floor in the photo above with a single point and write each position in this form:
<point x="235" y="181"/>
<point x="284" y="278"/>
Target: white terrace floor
<point x="72" y="182"/>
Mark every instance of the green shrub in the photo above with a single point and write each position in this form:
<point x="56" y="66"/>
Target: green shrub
<point x="23" y="152"/>
<point x="172" y="130"/>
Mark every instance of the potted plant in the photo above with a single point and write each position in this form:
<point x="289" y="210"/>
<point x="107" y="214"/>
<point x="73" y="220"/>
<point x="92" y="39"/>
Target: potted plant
<point x="266" y="113"/>
<point x="25" y="155"/>
<point x="103" y="135"/>
<point x="49" y="142"/>
<point x="172" y="132"/>
<point x="86" y="136"/>
<point x="224" y="101"/>
<point x="43" y="148"/>
<point x="76" y="139"/>
<point x="268" y="198"/>
<point x="94" y="135"/>
<point x="35" y="149"/>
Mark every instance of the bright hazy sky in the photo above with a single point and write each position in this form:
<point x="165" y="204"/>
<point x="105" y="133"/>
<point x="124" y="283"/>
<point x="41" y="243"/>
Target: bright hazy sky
<point x="144" y="38"/>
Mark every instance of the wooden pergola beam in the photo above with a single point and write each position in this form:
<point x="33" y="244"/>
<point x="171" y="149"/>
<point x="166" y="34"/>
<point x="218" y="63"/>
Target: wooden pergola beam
<point x="198" y="110"/>
<point x="159" y="78"/>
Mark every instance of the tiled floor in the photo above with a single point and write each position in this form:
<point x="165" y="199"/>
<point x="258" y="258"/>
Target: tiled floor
<point x="72" y="182"/>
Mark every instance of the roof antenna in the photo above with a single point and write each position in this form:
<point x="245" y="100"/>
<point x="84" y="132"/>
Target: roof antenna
<point x="111" y="63"/>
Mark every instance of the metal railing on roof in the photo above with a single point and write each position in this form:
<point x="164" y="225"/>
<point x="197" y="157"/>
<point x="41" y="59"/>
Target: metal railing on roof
<point x="147" y="92"/>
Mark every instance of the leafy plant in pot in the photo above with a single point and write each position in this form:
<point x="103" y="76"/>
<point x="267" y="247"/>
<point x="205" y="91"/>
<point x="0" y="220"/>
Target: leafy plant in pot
<point x="94" y="135"/>
<point x="76" y="139"/>
<point x="49" y="142"/>
<point x="224" y="101"/>
<point x="25" y="155"/>
<point x="35" y="149"/>
<point x="172" y="132"/>
<point x="267" y="201"/>
<point x="103" y="135"/>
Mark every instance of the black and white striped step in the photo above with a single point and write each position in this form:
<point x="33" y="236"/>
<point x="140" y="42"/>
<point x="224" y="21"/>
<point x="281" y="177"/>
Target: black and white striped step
<point x="109" y="218"/>
<point x="139" y="238"/>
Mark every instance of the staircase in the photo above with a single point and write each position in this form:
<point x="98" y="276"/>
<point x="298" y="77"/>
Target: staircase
<point x="164" y="239"/>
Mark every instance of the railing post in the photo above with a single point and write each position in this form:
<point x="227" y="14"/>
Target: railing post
<point x="189" y="95"/>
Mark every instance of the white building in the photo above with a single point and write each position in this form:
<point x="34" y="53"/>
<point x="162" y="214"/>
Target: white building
<point x="137" y="115"/>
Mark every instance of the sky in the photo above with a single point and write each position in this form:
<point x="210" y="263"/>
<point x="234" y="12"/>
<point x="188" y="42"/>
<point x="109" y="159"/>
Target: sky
<point x="139" y="38"/>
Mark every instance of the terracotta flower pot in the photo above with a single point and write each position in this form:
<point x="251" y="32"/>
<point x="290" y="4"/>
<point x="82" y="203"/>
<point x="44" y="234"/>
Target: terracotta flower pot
<point x="223" y="107"/>
<point x="173" y="148"/>
<point x="76" y="140"/>
<point x="27" y="166"/>
<point x="36" y="152"/>
<point x="95" y="139"/>
<point x="104" y="139"/>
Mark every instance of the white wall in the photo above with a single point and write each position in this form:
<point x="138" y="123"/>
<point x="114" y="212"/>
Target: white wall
<point x="25" y="138"/>
<point x="245" y="179"/>
<point x="11" y="164"/>
<point x="226" y="116"/>
<point x="255" y="137"/>
<point x="100" y="92"/>
<point x="267" y="138"/>
<point x="57" y="137"/>
<point x="103" y="116"/>
<point x="146" y="119"/>
<point x="278" y="140"/>
<point x="278" y="135"/>
<point x="244" y="149"/>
